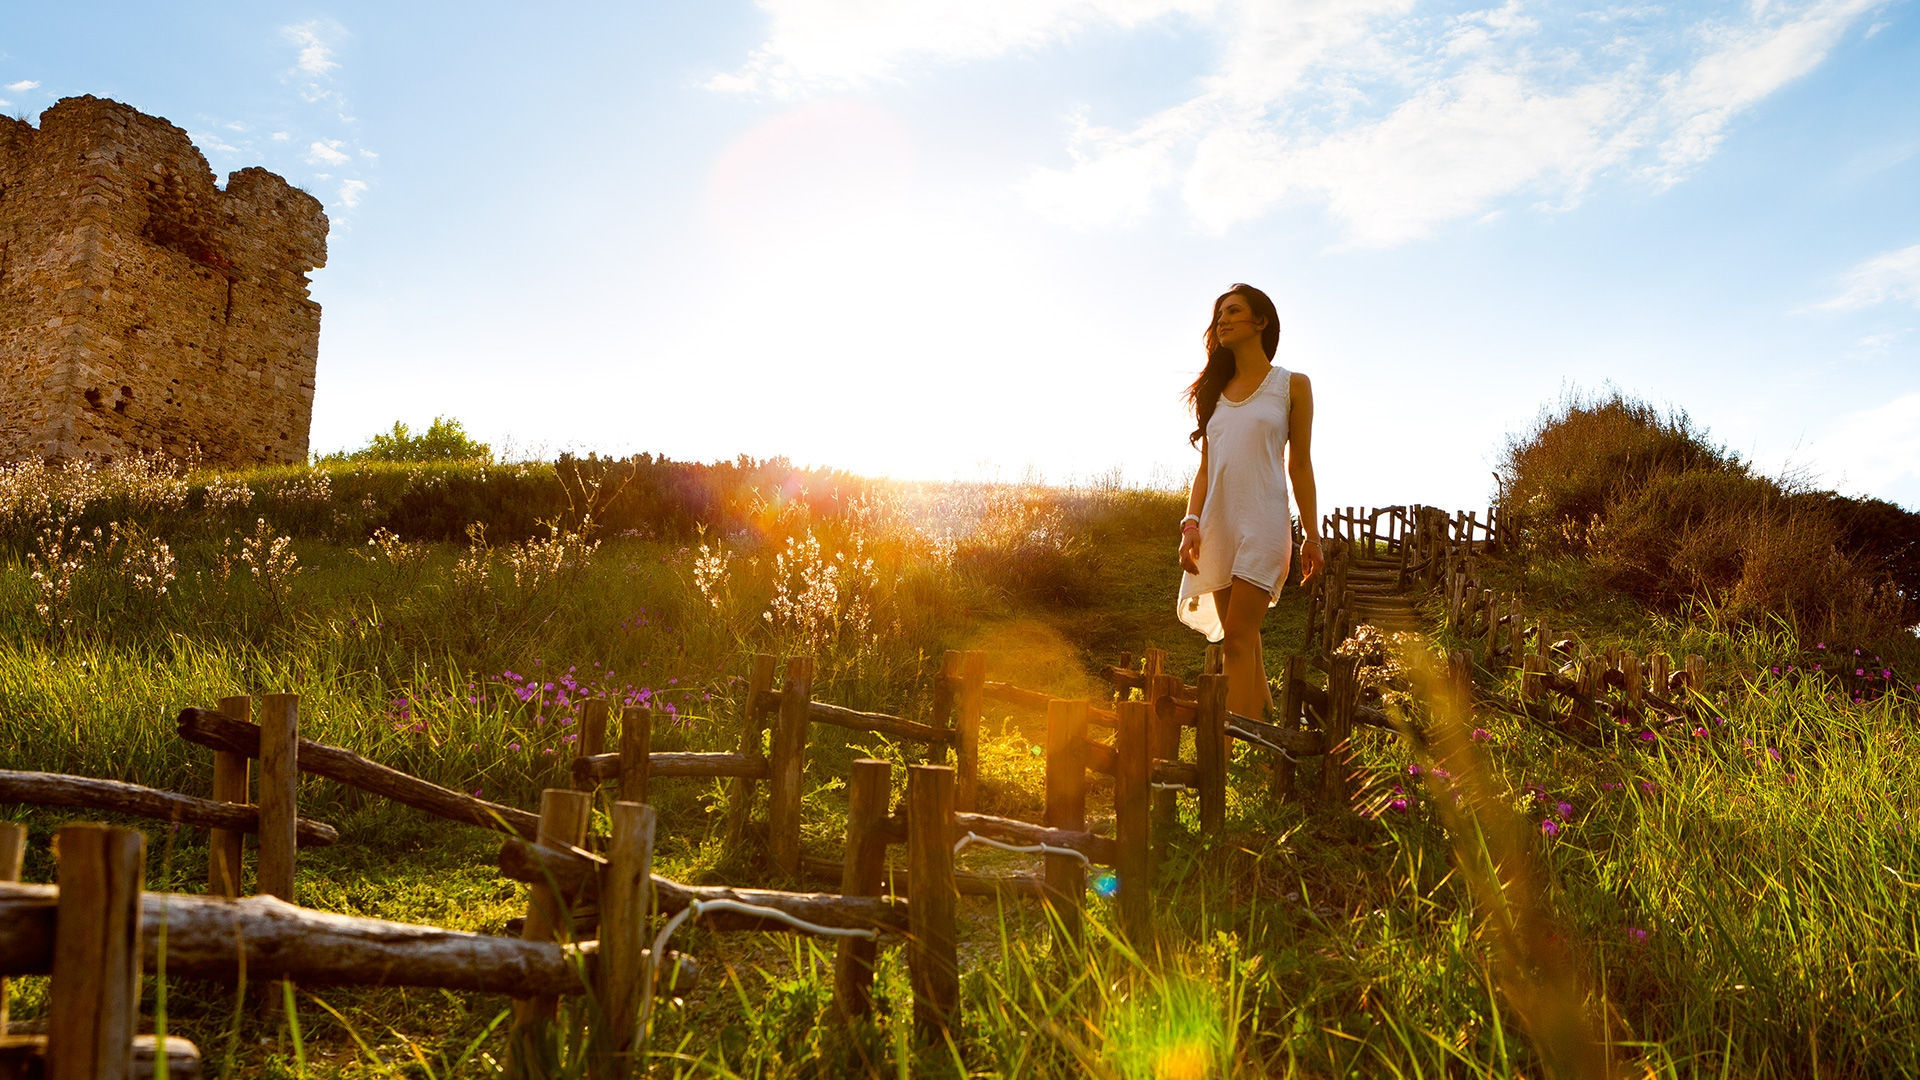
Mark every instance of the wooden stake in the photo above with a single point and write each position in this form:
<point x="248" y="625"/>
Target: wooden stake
<point x="1533" y="678"/>
<point x="96" y="953"/>
<point x="869" y="789"/>
<point x="636" y="753"/>
<point x="1658" y="665"/>
<point x="1291" y="679"/>
<point x="13" y="851"/>
<point x="1210" y="752"/>
<point x="1697" y="673"/>
<point x="563" y="823"/>
<point x="1343" y="694"/>
<point x="1165" y="740"/>
<point x="740" y="794"/>
<point x="592" y="740"/>
<point x="933" y="961"/>
<point x="1517" y="631"/>
<point x="1066" y="809"/>
<point x="789" y="761"/>
<point x="966" y="730"/>
<point x="230" y="776"/>
<point x="626" y="899"/>
<point x="279" y="793"/>
<point x="1216" y="661"/>
<point x="1132" y="777"/>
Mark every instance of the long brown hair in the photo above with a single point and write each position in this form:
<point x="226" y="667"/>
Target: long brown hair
<point x="1204" y="394"/>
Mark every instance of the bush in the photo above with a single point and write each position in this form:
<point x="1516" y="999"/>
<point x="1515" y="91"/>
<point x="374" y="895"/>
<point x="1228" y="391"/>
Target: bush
<point x="1665" y="516"/>
<point x="445" y="440"/>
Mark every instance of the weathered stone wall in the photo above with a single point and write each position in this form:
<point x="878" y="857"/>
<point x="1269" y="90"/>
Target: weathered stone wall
<point x="141" y="307"/>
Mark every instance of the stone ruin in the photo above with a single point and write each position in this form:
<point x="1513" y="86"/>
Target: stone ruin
<point x="142" y="308"/>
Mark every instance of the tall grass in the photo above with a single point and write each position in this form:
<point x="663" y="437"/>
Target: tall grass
<point x="1742" y="902"/>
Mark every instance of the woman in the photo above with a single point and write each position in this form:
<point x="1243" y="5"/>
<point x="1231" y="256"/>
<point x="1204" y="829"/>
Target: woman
<point x="1236" y="541"/>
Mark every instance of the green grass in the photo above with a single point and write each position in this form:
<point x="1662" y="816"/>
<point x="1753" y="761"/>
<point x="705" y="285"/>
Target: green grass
<point x="1733" y="913"/>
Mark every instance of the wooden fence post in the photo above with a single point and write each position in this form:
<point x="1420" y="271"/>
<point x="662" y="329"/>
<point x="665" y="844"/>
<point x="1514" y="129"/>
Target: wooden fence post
<point x="868" y="791"/>
<point x="1066" y="809"/>
<point x="1658" y="665"/>
<point x="1543" y="643"/>
<point x="1164" y="738"/>
<point x="1343" y="693"/>
<point x="1292" y="676"/>
<point x="13" y="851"/>
<point x="740" y="794"/>
<point x="592" y="739"/>
<point x="563" y="822"/>
<point x="966" y="730"/>
<point x="230" y="776"/>
<point x="626" y="900"/>
<point x="96" y="953"/>
<point x="636" y="753"/>
<point x="279" y="794"/>
<point x="1216" y="662"/>
<point x="789" y="760"/>
<point x="1132" y="780"/>
<point x="1697" y="673"/>
<point x="1516" y="631"/>
<point x="946" y="689"/>
<point x="1210" y="751"/>
<point x="1634" y="674"/>
<point x="1460" y="681"/>
<point x="933" y="961"/>
<point x="1493" y="625"/>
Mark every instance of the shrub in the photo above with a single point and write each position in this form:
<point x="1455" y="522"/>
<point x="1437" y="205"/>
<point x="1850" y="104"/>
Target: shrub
<point x="1590" y="451"/>
<point x="445" y="440"/>
<point x="1665" y="516"/>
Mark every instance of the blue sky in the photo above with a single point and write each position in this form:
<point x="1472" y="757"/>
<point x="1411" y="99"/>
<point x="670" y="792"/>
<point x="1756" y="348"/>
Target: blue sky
<point x="979" y="238"/>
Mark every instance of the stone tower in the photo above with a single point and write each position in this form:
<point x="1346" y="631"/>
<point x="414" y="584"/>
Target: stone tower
<point x="141" y="307"/>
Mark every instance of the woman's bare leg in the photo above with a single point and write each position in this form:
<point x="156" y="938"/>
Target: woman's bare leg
<point x="1242" y="606"/>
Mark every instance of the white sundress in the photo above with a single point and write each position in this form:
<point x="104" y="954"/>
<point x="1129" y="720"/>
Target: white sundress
<point x="1246" y="529"/>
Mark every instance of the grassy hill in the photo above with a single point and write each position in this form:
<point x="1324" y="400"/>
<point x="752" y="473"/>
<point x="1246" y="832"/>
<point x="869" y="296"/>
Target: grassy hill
<point x="1745" y="901"/>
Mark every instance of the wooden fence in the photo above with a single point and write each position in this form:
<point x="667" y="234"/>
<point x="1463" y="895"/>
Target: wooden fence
<point x="1423" y="551"/>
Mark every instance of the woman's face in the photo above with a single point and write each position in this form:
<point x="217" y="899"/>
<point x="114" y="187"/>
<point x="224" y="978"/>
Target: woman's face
<point x="1234" y="323"/>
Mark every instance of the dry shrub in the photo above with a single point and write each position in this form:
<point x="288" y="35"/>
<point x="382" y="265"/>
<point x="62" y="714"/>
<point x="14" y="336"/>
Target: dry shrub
<point x="1665" y="517"/>
<point x="1590" y="451"/>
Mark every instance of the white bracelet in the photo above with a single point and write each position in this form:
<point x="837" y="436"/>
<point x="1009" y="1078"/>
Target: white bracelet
<point x="1195" y="518"/>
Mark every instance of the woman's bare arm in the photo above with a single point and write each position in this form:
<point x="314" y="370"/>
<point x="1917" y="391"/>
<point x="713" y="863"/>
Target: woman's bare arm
<point x="1197" y="497"/>
<point x="1300" y="455"/>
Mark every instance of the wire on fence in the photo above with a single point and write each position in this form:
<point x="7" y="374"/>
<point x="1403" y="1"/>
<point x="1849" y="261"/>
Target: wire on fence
<point x="1043" y="849"/>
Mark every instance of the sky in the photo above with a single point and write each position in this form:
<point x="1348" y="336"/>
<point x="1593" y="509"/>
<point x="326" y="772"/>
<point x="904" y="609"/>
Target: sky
<point x="980" y="239"/>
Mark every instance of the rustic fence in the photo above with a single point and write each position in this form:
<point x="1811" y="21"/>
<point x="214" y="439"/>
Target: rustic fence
<point x="1423" y="552"/>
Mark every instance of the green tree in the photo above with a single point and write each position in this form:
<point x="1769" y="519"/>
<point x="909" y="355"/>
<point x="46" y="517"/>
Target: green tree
<point x="444" y="440"/>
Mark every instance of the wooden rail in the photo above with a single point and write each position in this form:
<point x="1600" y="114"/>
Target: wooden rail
<point x="57" y="789"/>
<point x="221" y="732"/>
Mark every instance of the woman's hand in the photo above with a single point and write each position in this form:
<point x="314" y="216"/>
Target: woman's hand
<point x="1311" y="561"/>
<point x="1190" y="551"/>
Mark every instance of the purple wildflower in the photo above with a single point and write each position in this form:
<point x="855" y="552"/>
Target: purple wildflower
<point x="1480" y="734"/>
<point x="1550" y="827"/>
<point x="1636" y="935"/>
<point x="1565" y="810"/>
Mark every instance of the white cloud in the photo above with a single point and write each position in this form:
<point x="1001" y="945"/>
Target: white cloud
<point x="279" y="136"/>
<point x="1875" y="450"/>
<point x="316" y="55"/>
<point x="1879" y="280"/>
<point x="5" y="104"/>
<point x="326" y="152"/>
<point x="369" y="154"/>
<point x="350" y="192"/>
<point x="23" y="86"/>
<point x="840" y="44"/>
<point x="1397" y="119"/>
